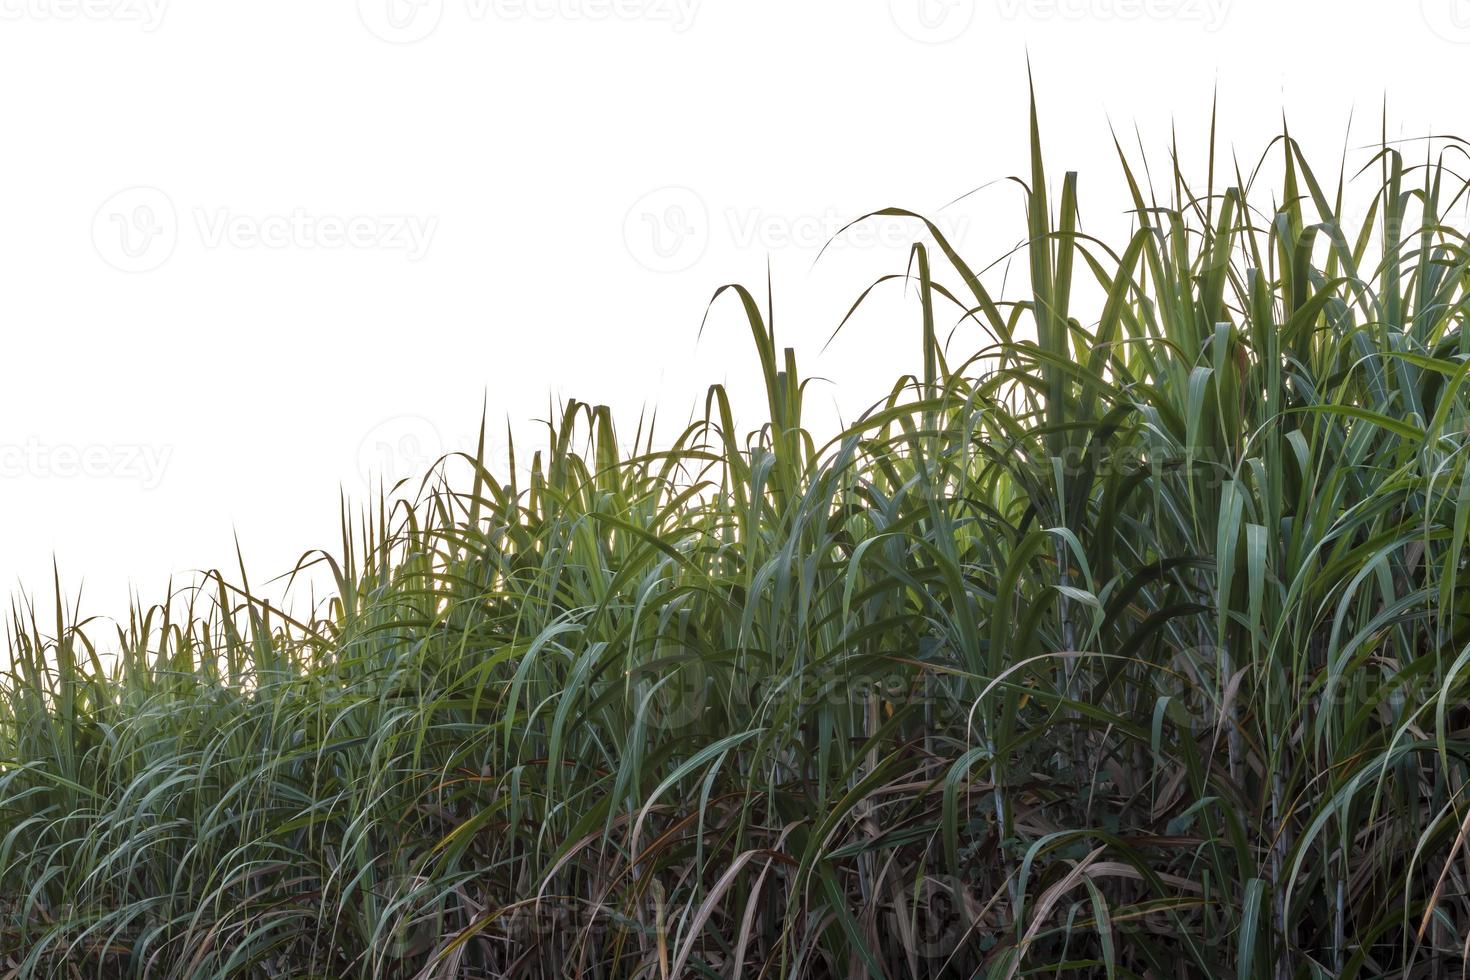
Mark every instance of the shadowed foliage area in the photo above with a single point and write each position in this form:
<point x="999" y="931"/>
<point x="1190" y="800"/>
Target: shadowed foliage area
<point x="1131" y="644"/>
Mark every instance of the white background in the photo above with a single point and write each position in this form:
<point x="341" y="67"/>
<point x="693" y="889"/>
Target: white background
<point x="254" y="253"/>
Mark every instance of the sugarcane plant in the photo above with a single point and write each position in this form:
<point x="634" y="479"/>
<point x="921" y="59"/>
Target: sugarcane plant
<point x="1134" y="642"/>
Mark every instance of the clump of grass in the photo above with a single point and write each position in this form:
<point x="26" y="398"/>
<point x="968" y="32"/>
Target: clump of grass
<point x="1134" y="643"/>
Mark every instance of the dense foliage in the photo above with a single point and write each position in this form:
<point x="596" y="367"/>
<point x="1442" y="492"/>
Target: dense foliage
<point x="1132" y="644"/>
